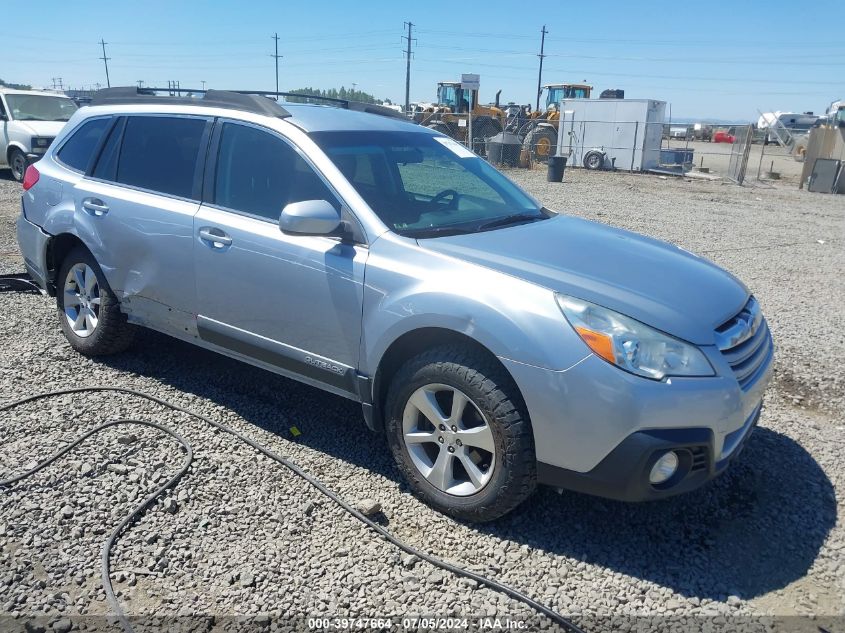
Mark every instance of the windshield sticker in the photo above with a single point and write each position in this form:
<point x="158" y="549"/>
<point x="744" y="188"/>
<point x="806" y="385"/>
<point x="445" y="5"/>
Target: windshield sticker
<point x="459" y="150"/>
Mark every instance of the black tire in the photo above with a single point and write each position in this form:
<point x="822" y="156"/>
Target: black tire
<point x="593" y="160"/>
<point x="112" y="333"/>
<point x="18" y="164"/>
<point x="541" y="142"/>
<point x="495" y="397"/>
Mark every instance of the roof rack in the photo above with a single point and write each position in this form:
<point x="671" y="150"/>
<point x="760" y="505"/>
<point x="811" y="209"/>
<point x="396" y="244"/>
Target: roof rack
<point x="257" y="101"/>
<point x="249" y="102"/>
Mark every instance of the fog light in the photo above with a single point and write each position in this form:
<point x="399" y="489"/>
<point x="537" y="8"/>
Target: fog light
<point x="664" y="468"/>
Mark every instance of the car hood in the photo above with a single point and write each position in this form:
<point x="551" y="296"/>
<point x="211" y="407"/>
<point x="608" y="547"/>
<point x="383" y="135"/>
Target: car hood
<point x="652" y="281"/>
<point x="41" y="128"/>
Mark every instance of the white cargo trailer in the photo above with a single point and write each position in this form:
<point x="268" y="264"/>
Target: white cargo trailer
<point x="603" y="133"/>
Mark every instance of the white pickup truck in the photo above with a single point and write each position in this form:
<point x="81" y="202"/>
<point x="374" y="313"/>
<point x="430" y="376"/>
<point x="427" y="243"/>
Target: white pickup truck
<point x="29" y="121"/>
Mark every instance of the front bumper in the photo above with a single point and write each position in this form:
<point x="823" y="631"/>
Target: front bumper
<point x="623" y="474"/>
<point x="599" y="429"/>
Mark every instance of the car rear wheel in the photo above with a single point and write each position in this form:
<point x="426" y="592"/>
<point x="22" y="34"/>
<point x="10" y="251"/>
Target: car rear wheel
<point x="459" y="434"/>
<point x="18" y="164"/>
<point x="89" y="312"/>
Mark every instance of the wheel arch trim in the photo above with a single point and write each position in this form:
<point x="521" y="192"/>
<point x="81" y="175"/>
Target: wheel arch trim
<point x="411" y="343"/>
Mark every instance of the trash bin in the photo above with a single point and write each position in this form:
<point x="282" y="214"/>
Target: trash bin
<point x="556" y="166"/>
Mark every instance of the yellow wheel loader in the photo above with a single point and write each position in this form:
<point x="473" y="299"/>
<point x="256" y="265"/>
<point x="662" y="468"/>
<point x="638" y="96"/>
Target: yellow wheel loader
<point x="450" y="115"/>
<point x="539" y="133"/>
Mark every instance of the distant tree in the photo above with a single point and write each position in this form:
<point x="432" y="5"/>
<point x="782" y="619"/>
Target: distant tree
<point x="15" y="86"/>
<point x="332" y="93"/>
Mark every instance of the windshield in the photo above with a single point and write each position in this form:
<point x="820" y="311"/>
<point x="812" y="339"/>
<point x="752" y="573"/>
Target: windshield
<point x="423" y="185"/>
<point x="40" y="107"/>
<point x="575" y="92"/>
<point x="447" y="96"/>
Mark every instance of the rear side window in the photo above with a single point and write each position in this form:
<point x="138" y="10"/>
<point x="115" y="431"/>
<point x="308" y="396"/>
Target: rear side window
<point x="258" y="173"/>
<point x="160" y="154"/>
<point x="106" y="167"/>
<point x="78" y="149"/>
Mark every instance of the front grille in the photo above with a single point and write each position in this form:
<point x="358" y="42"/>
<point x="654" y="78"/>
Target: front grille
<point x="746" y="343"/>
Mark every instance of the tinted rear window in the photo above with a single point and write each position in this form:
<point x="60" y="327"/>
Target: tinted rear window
<point x="106" y="167"/>
<point x="160" y="153"/>
<point x="77" y="150"/>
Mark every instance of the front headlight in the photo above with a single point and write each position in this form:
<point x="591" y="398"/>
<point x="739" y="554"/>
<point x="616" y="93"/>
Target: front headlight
<point x="40" y="142"/>
<point x="631" y="345"/>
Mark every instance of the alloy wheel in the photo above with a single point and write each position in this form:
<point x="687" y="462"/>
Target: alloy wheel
<point x="448" y="439"/>
<point x="82" y="300"/>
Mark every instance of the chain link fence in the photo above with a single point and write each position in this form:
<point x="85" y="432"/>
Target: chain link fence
<point x="516" y="137"/>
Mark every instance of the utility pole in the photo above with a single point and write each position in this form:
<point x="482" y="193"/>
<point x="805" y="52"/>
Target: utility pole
<point x="140" y="83"/>
<point x="276" y="57"/>
<point x="541" y="56"/>
<point x="106" y="62"/>
<point x="408" y="67"/>
<point x="203" y="84"/>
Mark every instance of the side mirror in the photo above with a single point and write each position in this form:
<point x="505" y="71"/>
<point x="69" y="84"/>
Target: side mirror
<point x="309" y="217"/>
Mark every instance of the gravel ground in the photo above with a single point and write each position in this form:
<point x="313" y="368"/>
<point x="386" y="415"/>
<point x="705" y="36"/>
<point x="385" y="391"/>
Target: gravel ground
<point x="241" y="536"/>
<point x="716" y="157"/>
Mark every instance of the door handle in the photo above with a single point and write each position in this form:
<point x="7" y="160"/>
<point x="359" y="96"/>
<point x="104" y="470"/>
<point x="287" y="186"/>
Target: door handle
<point x="215" y="238"/>
<point x="95" y="206"/>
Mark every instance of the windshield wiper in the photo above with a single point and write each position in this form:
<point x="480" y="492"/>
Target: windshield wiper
<point x="516" y="218"/>
<point x="436" y="231"/>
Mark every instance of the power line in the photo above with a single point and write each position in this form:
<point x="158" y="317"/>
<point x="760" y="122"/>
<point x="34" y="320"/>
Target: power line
<point x="704" y="42"/>
<point x="540" y="73"/>
<point x="483" y="54"/>
<point x="106" y="62"/>
<point x="780" y="80"/>
<point x="478" y="34"/>
<point x="256" y="54"/>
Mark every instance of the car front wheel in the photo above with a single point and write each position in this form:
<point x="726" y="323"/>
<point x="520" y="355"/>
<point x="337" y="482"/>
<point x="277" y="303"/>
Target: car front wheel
<point x="459" y="434"/>
<point x="18" y="164"/>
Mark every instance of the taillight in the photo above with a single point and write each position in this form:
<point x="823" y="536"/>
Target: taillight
<point x="30" y="177"/>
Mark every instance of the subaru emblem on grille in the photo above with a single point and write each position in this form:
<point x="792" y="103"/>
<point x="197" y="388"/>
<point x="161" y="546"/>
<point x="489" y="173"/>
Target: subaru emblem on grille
<point x="742" y="327"/>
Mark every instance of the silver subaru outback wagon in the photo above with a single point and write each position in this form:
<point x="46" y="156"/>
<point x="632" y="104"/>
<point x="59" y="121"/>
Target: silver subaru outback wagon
<point x="497" y="344"/>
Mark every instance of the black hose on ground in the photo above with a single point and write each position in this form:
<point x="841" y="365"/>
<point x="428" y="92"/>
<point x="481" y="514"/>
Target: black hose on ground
<point x="565" y="623"/>
<point x="18" y="282"/>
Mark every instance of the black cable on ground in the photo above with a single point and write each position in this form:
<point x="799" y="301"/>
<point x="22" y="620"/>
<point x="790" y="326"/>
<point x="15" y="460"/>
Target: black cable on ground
<point x="105" y="558"/>
<point x="554" y="616"/>
<point x="18" y="282"/>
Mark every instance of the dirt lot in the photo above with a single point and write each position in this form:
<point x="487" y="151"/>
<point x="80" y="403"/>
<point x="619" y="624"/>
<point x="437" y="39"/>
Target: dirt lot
<point x="239" y="535"/>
